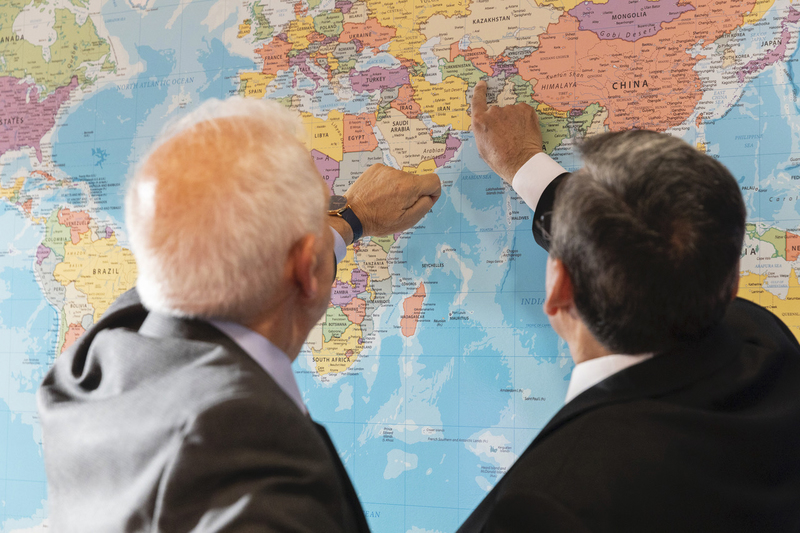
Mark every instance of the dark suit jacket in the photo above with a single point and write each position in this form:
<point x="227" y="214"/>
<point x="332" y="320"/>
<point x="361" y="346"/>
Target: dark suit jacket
<point x="704" y="438"/>
<point x="154" y="423"/>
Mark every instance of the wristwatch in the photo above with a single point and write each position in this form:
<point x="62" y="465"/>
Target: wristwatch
<point x="339" y="207"/>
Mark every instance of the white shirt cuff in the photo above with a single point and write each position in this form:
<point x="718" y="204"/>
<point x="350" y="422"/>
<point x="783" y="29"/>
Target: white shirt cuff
<point x="339" y="247"/>
<point x="533" y="177"/>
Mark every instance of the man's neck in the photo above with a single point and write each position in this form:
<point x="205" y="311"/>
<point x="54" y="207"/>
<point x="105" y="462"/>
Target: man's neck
<point x="583" y="346"/>
<point x="285" y="327"/>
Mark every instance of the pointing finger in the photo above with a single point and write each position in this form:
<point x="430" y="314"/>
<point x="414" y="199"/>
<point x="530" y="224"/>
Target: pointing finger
<point x="479" y="105"/>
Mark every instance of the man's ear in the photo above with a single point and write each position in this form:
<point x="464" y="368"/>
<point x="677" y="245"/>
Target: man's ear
<point x="302" y="266"/>
<point x="558" y="286"/>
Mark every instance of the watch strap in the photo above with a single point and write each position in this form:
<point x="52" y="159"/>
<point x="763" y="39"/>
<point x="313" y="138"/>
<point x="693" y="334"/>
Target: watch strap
<point x="351" y="218"/>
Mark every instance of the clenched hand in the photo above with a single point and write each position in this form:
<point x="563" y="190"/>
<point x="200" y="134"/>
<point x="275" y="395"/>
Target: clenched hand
<point x="387" y="200"/>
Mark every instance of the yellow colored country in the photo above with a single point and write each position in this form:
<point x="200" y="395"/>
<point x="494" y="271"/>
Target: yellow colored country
<point x="751" y="287"/>
<point x="552" y="111"/>
<point x="338" y="354"/>
<point x="10" y="193"/>
<point x="445" y="102"/>
<point x="298" y="30"/>
<point x="325" y="135"/>
<point x="244" y="30"/>
<point x="426" y="167"/>
<point x="406" y="16"/>
<point x="101" y="269"/>
<point x="758" y="12"/>
<point x="255" y="83"/>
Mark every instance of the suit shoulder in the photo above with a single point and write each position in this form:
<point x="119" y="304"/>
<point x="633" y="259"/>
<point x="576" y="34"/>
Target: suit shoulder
<point x="268" y="468"/>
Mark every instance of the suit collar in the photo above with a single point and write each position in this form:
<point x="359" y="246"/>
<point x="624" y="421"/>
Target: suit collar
<point x="664" y="373"/>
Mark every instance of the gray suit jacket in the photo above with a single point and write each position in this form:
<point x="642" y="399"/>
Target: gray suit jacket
<point x="153" y="423"/>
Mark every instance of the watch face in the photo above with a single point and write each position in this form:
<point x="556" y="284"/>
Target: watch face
<point x="337" y="204"/>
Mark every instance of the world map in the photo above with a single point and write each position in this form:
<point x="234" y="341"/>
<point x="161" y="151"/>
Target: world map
<point x="434" y="366"/>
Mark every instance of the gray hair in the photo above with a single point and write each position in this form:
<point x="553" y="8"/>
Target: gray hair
<point x="650" y="231"/>
<point x="215" y="206"/>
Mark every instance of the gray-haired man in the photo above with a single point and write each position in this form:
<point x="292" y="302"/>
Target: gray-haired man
<point x="683" y="412"/>
<point x="178" y="410"/>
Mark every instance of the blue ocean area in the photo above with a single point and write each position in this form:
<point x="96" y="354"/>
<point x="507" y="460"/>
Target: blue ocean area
<point x="754" y="141"/>
<point x="28" y="329"/>
<point x="23" y="486"/>
<point x="109" y="120"/>
<point x="105" y="136"/>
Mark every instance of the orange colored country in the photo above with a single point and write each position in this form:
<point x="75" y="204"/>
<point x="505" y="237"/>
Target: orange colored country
<point x="275" y="56"/>
<point x="28" y="206"/>
<point x="369" y="33"/>
<point x="358" y="133"/>
<point x="412" y="309"/>
<point x="355" y="311"/>
<point x="477" y="56"/>
<point x="792" y="246"/>
<point x="77" y="222"/>
<point x="73" y="334"/>
<point x="405" y="102"/>
<point x="43" y="174"/>
<point x="649" y="83"/>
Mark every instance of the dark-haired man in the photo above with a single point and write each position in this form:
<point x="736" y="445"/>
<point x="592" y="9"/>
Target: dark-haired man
<point x="683" y="411"/>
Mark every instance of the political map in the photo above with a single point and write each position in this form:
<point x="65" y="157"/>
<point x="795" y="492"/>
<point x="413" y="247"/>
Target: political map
<point x="434" y="366"/>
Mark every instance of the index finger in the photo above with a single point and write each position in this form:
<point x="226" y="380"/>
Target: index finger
<point x="479" y="105"/>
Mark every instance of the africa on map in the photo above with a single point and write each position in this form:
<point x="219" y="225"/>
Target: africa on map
<point x="434" y="366"/>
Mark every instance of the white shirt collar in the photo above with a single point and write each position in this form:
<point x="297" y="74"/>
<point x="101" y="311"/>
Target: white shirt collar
<point x="267" y="355"/>
<point x="589" y="373"/>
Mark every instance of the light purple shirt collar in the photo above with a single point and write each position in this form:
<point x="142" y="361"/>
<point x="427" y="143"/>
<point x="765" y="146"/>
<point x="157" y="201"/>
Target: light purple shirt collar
<point x="267" y="355"/>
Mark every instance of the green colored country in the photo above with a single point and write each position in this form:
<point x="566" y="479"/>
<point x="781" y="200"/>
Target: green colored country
<point x="418" y="69"/>
<point x="777" y="238"/>
<point x="346" y="66"/>
<point x="264" y="29"/>
<point x="286" y="101"/>
<point x="461" y="68"/>
<point x="329" y="24"/>
<point x="383" y="111"/>
<point x="585" y="119"/>
<point x="442" y="139"/>
<point x="523" y="90"/>
<point x="384" y="242"/>
<point x="554" y="131"/>
<point x="75" y="45"/>
<point x="335" y="323"/>
<point x="62" y="329"/>
<point x="56" y="235"/>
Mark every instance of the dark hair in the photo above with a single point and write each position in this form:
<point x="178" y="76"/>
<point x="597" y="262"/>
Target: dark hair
<point x="650" y="231"/>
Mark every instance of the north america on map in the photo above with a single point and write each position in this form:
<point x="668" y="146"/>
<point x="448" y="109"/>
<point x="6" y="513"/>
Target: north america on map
<point x="434" y="366"/>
